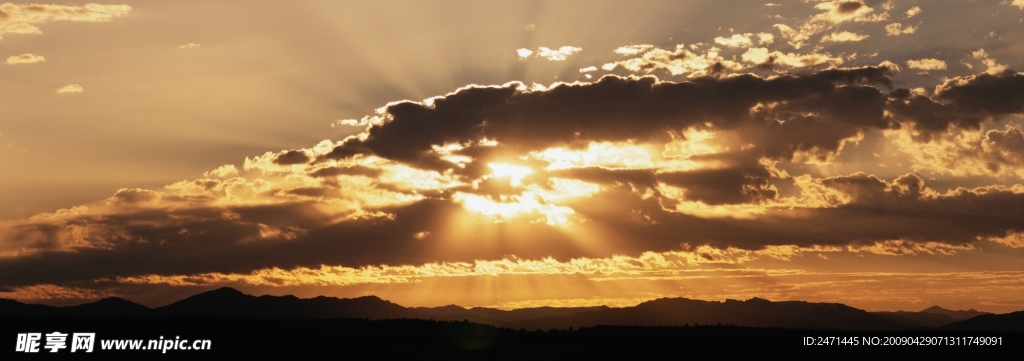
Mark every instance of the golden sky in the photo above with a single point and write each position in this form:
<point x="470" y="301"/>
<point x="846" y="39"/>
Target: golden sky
<point x="515" y="154"/>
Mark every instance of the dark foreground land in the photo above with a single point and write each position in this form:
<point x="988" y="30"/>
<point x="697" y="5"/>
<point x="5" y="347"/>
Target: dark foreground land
<point x="349" y="338"/>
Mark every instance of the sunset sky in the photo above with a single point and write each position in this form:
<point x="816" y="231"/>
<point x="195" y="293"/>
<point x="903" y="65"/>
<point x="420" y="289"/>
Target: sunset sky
<point x="515" y="154"/>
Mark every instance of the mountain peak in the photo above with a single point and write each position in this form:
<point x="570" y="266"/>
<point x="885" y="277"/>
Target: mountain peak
<point x="936" y="309"/>
<point x="225" y="290"/>
<point x="959" y="314"/>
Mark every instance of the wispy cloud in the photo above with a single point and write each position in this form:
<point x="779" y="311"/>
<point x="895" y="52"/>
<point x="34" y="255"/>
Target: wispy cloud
<point x="19" y="19"/>
<point x="927" y="64"/>
<point x="844" y="36"/>
<point x="25" y="59"/>
<point x="896" y="29"/>
<point x="559" y="54"/>
<point x="70" y="88"/>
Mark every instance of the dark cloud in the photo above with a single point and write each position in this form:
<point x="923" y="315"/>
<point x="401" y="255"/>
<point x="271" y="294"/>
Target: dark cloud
<point x="1003" y="149"/>
<point x="780" y="117"/>
<point x="613" y="109"/>
<point x="870" y="190"/>
<point x="125" y="196"/>
<point x="236" y="240"/>
<point x="292" y="157"/>
<point x="240" y="239"/>
<point x="741" y="183"/>
<point x="847" y="7"/>
<point x="961" y="102"/>
<point x="637" y="178"/>
<point x="312" y="192"/>
<point x="986" y="94"/>
<point x="351" y="170"/>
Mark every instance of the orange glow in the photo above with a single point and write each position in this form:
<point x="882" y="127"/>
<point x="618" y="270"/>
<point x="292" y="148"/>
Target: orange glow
<point x="515" y="173"/>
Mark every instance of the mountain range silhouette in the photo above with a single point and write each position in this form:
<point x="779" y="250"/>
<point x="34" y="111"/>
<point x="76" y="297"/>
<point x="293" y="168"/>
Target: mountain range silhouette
<point x="231" y="303"/>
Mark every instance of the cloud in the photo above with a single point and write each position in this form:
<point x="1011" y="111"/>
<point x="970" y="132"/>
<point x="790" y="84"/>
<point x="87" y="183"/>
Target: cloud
<point x="998" y="153"/>
<point x="841" y="11"/>
<point x="70" y="88"/>
<point x="20" y="28"/>
<point x="833" y="13"/>
<point x="645" y="265"/>
<point x="18" y="19"/>
<point x="214" y="241"/>
<point x="632" y="49"/>
<point x="914" y="11"/>
<point x="896" y="29"/>
<point x="993" y="67"/>
<point x="224" y="171"/>
<point x="1018" y="3"/>
<point x="736" y="41"/>
<point x="1012" y="239"/>
<point x="962" y="102"/>
<point x="761" y="57"/>
<point x="49" y="292"/>
<point x="133" y="197"/>
<point x="616" y="174"/>
<point x="25" y="59"/>
<point x="292" y="157"/>
<point x="559" y="54"/>
<point x="927" y="64"/>
<point x="678" y="62"/>
<point x="527" y="119"/>
<point x="588" y="69"/>
<point x="991" y="95"/>
<point x="903" y="248"/>
<point x="844" y="36"/>
<point x="189" y="46"/>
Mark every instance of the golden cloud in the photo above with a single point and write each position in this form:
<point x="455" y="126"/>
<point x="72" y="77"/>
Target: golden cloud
<point x="70" y="89"/>
<point x="25" y="59"/>
<point x="18" y="19"/>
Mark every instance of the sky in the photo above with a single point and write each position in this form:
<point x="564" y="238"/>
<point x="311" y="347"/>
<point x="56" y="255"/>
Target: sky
<point x="515" y="154"/>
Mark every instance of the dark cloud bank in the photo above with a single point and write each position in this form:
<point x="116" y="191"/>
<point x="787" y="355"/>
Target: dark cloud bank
<point x="781" y="116"/>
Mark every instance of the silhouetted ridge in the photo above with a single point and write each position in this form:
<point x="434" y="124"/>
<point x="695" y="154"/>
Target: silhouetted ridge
<point x="959" y="315"/>
<point x="228" y="302"/>
<point x="108" y="307"/>
<point x="1011" y="322"/>
<point x="755" y="312"/>
<point x="12" y="308"/>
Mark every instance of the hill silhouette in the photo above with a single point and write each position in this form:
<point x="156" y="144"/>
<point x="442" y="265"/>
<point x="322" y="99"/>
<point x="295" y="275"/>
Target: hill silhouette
<point x="959" y="315"/>
<point x="756" y="312"/>
<point x="229" y="302"/>
<point x="930" y="317"/>
<point x="1009" y="322"/>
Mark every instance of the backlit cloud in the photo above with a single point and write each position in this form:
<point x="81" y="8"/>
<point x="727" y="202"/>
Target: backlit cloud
<point x="736" y="41"/>
<point x="20" y="19"/>
<point x="896" y="29"/>
<point x="70" y="88"/>
<point x="927" y="64"/>
<point x="559" y="54"/>
<point x="844" y="36"/>
<point x="25" y="59"/>
<point x="914" y="11"/>
<point x="832" y="14"/>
